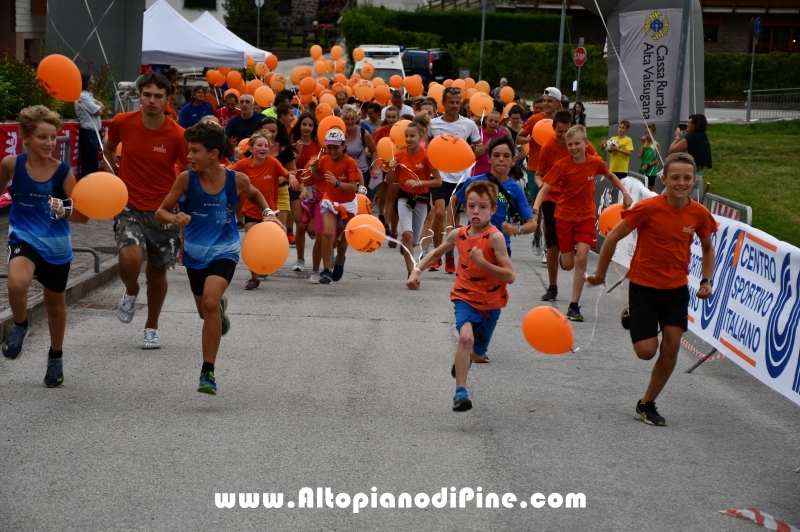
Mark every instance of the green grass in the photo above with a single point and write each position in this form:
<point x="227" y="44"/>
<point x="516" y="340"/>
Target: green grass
<point x="758" y="165"/>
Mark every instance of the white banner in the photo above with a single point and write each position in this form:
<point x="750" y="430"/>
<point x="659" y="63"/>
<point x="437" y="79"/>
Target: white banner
<point x="623" y="254"/>
<point x="649" y="49"/>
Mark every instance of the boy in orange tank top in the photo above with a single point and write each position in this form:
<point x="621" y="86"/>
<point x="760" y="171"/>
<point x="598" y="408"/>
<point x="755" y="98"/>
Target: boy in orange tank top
<point x="479" y="293"/>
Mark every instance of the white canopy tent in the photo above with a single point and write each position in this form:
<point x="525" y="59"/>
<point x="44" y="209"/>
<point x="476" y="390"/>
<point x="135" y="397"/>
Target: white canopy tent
<point x="210" y="26"/>
<point x="169" y="39"/>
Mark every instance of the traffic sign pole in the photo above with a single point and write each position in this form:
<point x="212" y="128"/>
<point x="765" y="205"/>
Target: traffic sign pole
<point x="755" y="32"/>
<point x="579" y="58"/>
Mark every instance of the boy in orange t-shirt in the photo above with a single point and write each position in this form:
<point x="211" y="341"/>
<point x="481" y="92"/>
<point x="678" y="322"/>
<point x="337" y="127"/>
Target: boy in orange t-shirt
<point x="575" y="223"/>
<point x="659" y="292"/>
<point x="479" y="292"/>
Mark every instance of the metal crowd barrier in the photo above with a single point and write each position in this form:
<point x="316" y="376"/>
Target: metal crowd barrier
<point x="774" y="104"/>
<point x="728" y="208"/>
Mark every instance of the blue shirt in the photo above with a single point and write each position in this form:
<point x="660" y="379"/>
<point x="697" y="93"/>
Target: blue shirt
<point x="521" y="205"/>
<point x="212" y="233"/>
<point x="29" y="221"/>
<point x="192" y="114"/>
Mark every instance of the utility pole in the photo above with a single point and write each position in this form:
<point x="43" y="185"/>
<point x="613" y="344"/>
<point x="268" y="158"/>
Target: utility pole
<point x="560" y="43"/>
<point x="259" y="5"/>
<point x="483" y="34"/>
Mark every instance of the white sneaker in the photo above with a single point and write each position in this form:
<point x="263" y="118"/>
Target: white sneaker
<point x="544" y="258"/>
<point x="299" y="265"/>
<point x="151" y="340"/>
<point x="126" y="308"/>
<point x="314" y="279"/>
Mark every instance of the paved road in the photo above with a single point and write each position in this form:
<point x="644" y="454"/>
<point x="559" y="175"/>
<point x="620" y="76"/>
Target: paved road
<point x="348" y="387"/>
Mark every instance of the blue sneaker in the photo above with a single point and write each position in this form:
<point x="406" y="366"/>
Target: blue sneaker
<point x="226" y="323"/>
<point x="461" y="402"/>
<point x="207" y="383"/>
<point x="55" y="374"/>
<point x="338" y="270"/>
<point x="12" y="347"/>
<point x="325" y="277"/>
<point x="574" y="312"/>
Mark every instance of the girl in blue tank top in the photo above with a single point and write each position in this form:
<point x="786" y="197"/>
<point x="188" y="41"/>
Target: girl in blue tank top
<point x="39" y="243"/>
<point x="207" y="196"/>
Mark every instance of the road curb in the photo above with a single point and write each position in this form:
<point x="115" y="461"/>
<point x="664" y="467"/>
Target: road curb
<point x="81" y="287"/>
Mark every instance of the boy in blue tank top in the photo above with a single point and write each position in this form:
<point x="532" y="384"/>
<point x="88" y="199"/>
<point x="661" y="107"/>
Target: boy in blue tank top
<point x="207" y="195"/>
<point x="39" y="242"/>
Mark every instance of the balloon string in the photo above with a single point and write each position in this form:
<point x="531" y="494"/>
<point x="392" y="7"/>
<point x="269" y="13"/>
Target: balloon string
<point x="596" y="314"/>
<point x="390" y="239"/>
<point x="467" y="173"/>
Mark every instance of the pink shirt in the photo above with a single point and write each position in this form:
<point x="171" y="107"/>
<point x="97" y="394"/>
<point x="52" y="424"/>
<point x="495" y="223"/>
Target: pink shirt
<point x="482" y="164"/>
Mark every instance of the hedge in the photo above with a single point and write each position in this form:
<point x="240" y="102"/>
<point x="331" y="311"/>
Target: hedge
<point x="361" y="28"/>
<point x="727" y="76"/>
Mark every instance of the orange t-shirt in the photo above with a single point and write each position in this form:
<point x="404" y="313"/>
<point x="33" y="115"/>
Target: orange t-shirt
<point x="412" y="162"/>
<point x="550" y="153"/>
<point x="662" y="255"/>
<point x="533" y="146"/>
<point x="346" y="170"/>
<point x="381" y="132"/>
<point x="474" y="285"/>
<point x="170" y="112"/>
<point x="309" y="150"/>
<point x="264" y="178"/>
<point x="576" y="182"/>
<point x="148" y="167"/>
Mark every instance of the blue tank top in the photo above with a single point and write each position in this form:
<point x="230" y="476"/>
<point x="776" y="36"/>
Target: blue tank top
<point x="29" y="221"/>
<point x="212" y="233"/>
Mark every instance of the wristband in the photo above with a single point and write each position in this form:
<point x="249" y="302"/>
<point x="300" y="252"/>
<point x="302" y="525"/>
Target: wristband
<point x="266" y="213"/>
<point x="417" y="269"/>
<point x="706" y="280"/>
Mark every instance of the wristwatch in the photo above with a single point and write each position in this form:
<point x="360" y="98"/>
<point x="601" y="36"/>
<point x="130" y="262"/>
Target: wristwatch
<point x="706" y="280"/>
<point x="535" y="211"/>
<point x="337" y="183"/>
<point x="520" y="230"/>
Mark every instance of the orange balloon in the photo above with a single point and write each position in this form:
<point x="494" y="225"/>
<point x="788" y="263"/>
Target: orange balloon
<point x="364" y="204"/>
<point x="254" y="84"/>
<point x="307" y="85"/>
<point x="60" y="78"/>
<point x="265" y="248"/>
<point x="330" y="66"/>
<point x="450" y="153"/>
<point x="482" y="86"/>
<point x="272" y="62"/>
<point x="365" y="233"/>
<point x="507" y="94"/>
<point x="278" y="82"/>
<point x="358" y="54"/>
<point x="469" y="93"/>
<point x="386" y="149"/>
<point x="264" y="96"/>
<point x="367" y="70"/>
<point x="610" y="217"/>
<point x="436" y="92"/>
<point x="318" y="88"/>
<point x="543" y="131"/>
<point x="507" y="109"/>
<point x="268" y="77"/>
<point x="413" y="85"/>
<point x="325" y="124"/>
<point x="340" y="65"/>
<point x="100" y="195"/>
<point x="396" y="81"/>
<point x="481" y="105"/>
<point x="336" y="52"/>
<point x="355" y="76"/>
<point x="307" y="68"/>
<point x="548" y="331"/>
<point x="297" y="75"/>
<point x="364" y="90"/>
<point x="340" y="78"/>
<point x="352" y="83"/>
<point x="469" y="83"/>
<point x="377" y="81"/>
<point x="382" y="94"/>
<point x="211" y="75"/>
<point x="244" y="145"/>
<point x="249" y="61"/>
<point x="224" y="70"/>
<point x="316" y="51"/>
<point x="242" y="88"/>
<point x="446" y="83"/>
<point x="260" y="69"/>
<point x="323" y="110"/>
<point x="319" y="68"/>
<point x="324" y="82"/>
<point x="234" y="78"/>
<point x="305" y="99"/>
<point x="459" y="84"/>
<point x="329" y="99"/>
<point x="349" y="91"/>
<point x="210" y="98"/>
<point x="398" y="133"/>
<point x="231" y="91"/>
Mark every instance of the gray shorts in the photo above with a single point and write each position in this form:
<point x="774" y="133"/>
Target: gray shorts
<point x="140" y="228"/>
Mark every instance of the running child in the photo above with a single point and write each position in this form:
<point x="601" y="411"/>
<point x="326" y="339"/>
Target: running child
<point x="415" y="175"/>
<point x="575" y="208"/>
<point x="479" y="292"/>
<point x="667" y="225"/>
<point x="304" y="137"/>
<point x="39" y="241"/>
<point x="620" y="148"/>
<point x="387" y="195"/>
<point x="207" y="196"/>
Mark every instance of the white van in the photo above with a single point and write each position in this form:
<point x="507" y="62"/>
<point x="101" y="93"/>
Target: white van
<point x="386" y="58"/>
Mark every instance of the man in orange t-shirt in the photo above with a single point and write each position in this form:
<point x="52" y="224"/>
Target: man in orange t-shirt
<point x="575" y="224"/>
<point x="659" y="291"/>
<point x="153" y="146"/>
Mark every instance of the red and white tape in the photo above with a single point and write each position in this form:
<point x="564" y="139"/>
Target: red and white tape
<point x="699" y="354"/>
<point x="761" y="519"/>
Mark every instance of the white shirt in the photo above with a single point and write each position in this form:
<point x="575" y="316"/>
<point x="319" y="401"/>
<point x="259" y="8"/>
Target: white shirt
<point x="405" y="110"/>
<point x="464" y="128"/>
<point x="85" y="109"/>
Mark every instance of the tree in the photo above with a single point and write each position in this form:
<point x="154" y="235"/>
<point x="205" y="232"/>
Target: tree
<point x="241" y="17"/>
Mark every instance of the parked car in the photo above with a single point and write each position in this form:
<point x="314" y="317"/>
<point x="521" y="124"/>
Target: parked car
<point x="434" y="64"/>
<point x="387" y="60"/>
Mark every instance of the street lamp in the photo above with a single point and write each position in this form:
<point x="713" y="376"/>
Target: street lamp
<point x="259" y="5"/>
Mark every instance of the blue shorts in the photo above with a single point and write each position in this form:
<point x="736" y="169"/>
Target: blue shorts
<point x="483" y="324"/>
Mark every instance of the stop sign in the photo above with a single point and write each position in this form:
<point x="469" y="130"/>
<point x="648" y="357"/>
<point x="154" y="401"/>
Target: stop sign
<point x="579" y="56"/>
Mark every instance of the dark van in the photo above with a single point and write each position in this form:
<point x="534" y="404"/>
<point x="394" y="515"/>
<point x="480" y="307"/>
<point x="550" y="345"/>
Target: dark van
<point x="432" y="65"/>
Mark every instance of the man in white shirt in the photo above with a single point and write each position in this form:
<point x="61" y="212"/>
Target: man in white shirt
<point x="397" y="101"/>
<point x="88" y="110"/>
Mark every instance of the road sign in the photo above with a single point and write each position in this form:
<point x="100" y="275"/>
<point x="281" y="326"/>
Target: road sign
<point x="259" y="3"/>
<point x="579" y="56"/>
<point x="755" y="26"/>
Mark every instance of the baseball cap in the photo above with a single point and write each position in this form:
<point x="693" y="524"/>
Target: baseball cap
<point x="552" y="92"/>
<point x="334" y="136"/>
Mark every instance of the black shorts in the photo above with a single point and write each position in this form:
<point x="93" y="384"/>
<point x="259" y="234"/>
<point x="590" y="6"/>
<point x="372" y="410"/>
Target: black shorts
<point x="251" y="220"/>
<point x="294" y="195"/>
<point x="224" y="268"/>
<point x="549" y="217"/>
<point x="651" y="181"/>
<point x="621" y="175"/>
<point x="443" y="192"/>
<point x="652" y="308"/>
<point x="51" y="276"/>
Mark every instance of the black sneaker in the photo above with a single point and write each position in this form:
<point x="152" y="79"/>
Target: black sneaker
<point x="647" y="412"/>
<point x="461" y="402"/>
<point x="54" y="377"/>
<point x="625" y="319"/>
<point x="551" y="294"/>
<point x="574" y="312"/>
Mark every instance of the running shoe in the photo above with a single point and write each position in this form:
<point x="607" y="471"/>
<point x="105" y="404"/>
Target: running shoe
<point x="207" y="383"/>
<point x="252" y="284"/>
<point x="551" y="294"/>
<point x="544" y="258"/>
<point x="338" y="270"/>
<point x="299" y="265"/>
<point x="325" y="277"/>
<point x="647" y="412"/>
<point x="314" y="279"/>
<point x="625" y="319"/>
<point x="450" y="264"/>
<point x="436" y="266"/>
<point x="226" y="322"/>
<point x="290" y="237"/>
<point x="392" y="243"/>
<point x="151" y="339"/>
<point x="461" y="402"/>
<point x="54" y="377"/>
<point x="12" y="347"/>
<point x="126" y="308"/>
<point x="537" y="245"/>
<point x="424" y="253"/>
<point x="574" y="312"/>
